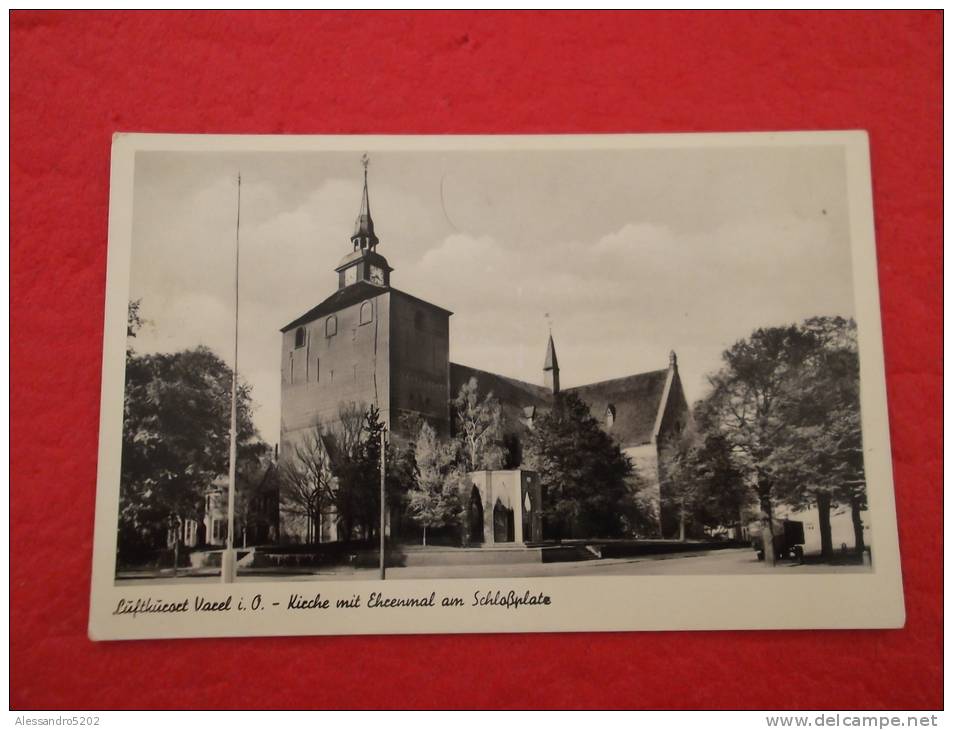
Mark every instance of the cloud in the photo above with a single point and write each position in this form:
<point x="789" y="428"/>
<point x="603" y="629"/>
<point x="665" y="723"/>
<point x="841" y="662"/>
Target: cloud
<point x="618" y="301"/>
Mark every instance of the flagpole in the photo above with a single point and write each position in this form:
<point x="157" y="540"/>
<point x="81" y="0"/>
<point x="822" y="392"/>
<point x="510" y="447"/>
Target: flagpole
<point x="228" y="557"/>
<point x="383" y="525"/>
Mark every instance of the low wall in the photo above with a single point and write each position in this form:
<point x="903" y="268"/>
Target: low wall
<point x="634" y="549"/>
<point x="333" y="555"/>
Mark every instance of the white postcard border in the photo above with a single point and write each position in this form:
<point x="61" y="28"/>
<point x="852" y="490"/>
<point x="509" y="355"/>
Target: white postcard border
<point x="611" y="603"/>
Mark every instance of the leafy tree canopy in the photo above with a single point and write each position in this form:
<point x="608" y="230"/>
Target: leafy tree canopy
<point x="177" y="414"/>
<point x="436" y="500"/>
<point x="479" y="428"/>
<point x="582" y="470"/>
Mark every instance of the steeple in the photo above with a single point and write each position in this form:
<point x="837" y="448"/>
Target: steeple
<point x="363" y="263"/>
<point x="364" y="225"/>
<point x="551" y="367"/>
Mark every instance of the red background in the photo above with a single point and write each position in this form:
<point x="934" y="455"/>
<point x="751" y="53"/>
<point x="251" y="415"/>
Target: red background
<point x="79" y="77"/>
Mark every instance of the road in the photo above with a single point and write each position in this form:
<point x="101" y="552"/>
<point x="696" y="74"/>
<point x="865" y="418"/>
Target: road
<point x="714" y="562"/>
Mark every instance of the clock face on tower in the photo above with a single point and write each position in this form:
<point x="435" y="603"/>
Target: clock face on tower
<point x="350" y="276"/>
<point x="377" y="275"/>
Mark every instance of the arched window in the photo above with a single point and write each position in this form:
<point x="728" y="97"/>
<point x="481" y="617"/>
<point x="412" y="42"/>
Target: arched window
<point x="367" y="313"/>
<point x="331" y="326"/>
<point x="299" y="337"/>
<point x="610" y="415"/>
<point x="529" y="415"/>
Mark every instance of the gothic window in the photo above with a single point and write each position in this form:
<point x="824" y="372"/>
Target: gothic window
<point x="529" y="415"/>
<point x="367" y="312"/>
<point x="610" y="416"/>
<point x="331" y="326"/>
<point x="299" y="337"/>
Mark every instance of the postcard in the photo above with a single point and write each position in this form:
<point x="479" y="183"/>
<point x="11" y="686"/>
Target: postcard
<point x="434" y="384"/>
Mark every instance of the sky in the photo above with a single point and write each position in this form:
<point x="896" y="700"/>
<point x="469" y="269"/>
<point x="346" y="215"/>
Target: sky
<point x="631" y="253"/>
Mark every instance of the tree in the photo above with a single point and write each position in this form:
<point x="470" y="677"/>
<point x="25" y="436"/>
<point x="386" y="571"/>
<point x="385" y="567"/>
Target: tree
<point x="749" y="408"/>
<point x="822" y="461"/>
<point x="581" y="469"/>
<point x="839" y="371"/>
<point x="701" y="482"/>
<point x="345" y="444"/>
<point x="354" y="452"/>
<point x="177" y="413"/>
<point x="256" y="484"/>
<point x="134" y="319"/>
<point x="680" y="485"/>
<point x="435" y="500"/>
<point x="307" y="482"/>
<point x="479" y="428"/>
<point x="723" y="498"/>
<point x="399" y="473"/>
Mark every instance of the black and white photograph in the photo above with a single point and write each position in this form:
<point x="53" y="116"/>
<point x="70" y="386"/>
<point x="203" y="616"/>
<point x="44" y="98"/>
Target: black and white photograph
<point x="452" y="375"/>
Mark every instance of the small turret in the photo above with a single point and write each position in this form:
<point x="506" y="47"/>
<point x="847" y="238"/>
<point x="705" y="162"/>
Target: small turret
<point x="551" y="367"/>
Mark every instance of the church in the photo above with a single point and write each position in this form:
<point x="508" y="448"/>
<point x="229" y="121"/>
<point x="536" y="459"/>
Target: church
<point x="371" y="343"/>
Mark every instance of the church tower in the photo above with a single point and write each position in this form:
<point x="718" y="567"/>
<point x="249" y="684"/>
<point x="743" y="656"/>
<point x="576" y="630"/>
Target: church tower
<point x="366" y="344"/>
<point x="364" y="263"/>
<point x="551" y="367"/>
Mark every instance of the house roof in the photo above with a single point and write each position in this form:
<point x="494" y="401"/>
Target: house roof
<point x="636" y="400"/>
<point x="347" y="296"/>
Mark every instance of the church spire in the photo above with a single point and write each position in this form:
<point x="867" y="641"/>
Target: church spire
<point x="551" y="367"/>
<point x="363" y="263"/>
<point x="364" y="236"/>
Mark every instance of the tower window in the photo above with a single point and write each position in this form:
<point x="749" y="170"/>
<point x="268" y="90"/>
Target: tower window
<point x="299" y="337"/>
<point x="331" y="326"/>
<point x="610" y="415"/>
<point x="367" y="313"/>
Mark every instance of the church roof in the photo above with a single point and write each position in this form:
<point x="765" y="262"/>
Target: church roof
<point x="515" y="396"/>
<point x="342" y="298"/>
<point x="347" y="296"/>
<point x="636" y="400"/>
